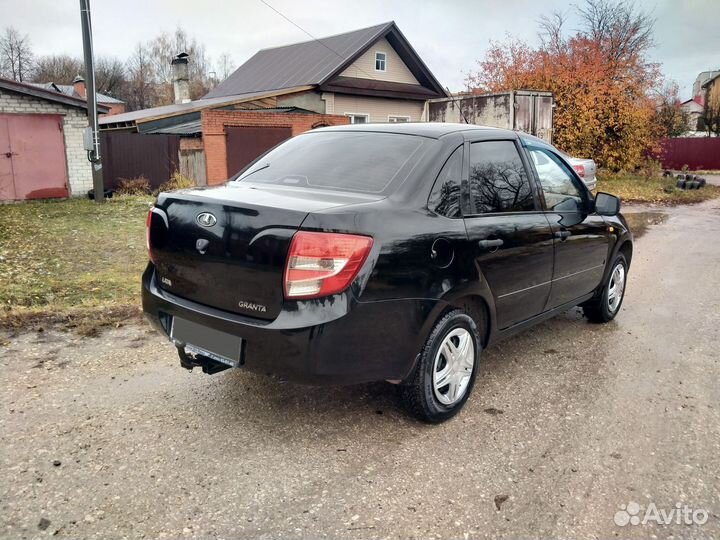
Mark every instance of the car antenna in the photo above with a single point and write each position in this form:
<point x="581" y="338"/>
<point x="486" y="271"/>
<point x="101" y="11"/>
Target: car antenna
<point x="457" y="104"/>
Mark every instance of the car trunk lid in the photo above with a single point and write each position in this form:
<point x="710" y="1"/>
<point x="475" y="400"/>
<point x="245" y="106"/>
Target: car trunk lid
<point x="226" y="247"/>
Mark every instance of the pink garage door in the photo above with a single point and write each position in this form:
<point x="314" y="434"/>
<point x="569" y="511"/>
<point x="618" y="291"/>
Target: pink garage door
<point x="32" y="157"/>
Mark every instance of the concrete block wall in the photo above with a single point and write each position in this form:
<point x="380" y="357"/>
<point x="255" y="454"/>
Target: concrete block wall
<point x="74" y="121"/>
<point x="215" y="140"/>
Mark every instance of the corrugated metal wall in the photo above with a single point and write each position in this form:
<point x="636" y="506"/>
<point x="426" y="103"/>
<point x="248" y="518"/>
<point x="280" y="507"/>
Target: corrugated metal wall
<point x="246" y="143"/>
<point x="131" y="155"/>
<point x="698" y="153"/>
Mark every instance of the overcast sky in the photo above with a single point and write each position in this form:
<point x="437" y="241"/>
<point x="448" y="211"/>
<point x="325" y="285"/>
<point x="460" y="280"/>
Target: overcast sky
<point x="449" y="35"/>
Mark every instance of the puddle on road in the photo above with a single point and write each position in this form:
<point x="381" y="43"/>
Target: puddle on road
<point x="640" y="222"/>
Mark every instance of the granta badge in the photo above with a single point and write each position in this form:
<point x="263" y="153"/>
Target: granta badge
<point x="206" y="219"/>
<point x="251" y="306"/>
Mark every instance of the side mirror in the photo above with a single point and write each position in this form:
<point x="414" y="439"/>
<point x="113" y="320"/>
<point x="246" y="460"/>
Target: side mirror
<point x="606" y="204"/>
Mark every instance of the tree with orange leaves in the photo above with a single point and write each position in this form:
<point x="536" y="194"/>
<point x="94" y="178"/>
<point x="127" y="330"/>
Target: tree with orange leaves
<point x="600" y="76"/>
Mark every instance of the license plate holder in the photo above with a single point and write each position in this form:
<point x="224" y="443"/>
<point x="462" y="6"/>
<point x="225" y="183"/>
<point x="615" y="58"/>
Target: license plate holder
<point x="203" y="340"/>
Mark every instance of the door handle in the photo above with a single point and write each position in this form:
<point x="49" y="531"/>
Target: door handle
<point x="486" y="244"/>
<point x="562" y="235"/>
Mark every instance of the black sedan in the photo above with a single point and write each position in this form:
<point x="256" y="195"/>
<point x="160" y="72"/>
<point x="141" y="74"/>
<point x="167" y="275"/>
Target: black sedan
<point x="390" y="252"/>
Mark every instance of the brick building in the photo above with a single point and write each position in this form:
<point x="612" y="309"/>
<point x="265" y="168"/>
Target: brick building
<point x="208" y="139"/>
<point x="41" y="143"/>
<point x="238" y="132"/>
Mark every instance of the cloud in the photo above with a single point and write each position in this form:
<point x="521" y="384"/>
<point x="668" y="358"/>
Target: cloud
<point x="450" y="36"/>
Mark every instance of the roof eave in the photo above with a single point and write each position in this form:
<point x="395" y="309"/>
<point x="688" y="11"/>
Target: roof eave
<point x="202" y="106"/>
<point x="383" y="32"/>
<point x="49" y="95"/>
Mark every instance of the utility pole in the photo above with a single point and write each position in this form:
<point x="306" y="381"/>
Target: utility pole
<point x="92" y="139"/>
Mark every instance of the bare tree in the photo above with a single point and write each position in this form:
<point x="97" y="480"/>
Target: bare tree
<point x="164" y="47"/>
<point x="16" y="56"/>
<point x="625" y="31"/>
<point x="141" y="91"/>
<point x="711" y="116"/>
<point x="110" y="76"/>
<point x="551" y="32"/>
<point x="225" y="66"/>
<point x="670" y="116"/>
<point x="57" y="68"/>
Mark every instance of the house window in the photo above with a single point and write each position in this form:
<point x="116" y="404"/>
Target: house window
<point x="380" y="61"/>
<point x="356" y="118"/>
<point x="394" y="119"/>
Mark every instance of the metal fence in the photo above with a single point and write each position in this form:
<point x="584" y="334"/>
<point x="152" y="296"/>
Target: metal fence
<point x="132" y="155"/>
<point x="698" y="153"/>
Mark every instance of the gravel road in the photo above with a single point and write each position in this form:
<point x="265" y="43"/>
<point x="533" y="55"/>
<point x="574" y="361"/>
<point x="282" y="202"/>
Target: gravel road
<point x="108" y="437"/>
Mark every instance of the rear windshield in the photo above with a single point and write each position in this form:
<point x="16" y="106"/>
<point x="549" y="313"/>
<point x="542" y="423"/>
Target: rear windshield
<point x="363" y="162"/>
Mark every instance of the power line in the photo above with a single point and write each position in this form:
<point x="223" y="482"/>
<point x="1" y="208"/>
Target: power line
<point x="288" y="19"/>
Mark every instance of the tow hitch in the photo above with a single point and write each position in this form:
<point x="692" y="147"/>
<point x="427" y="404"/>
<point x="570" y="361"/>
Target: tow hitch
<point x="208" y="365"/>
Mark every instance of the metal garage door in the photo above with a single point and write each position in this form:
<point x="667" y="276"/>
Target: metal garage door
<point x="244" y="144"/>
<point x="32" y="157"/>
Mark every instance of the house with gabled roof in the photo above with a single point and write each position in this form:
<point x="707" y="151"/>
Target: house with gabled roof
<point x="367" y="75"/>
<point x="370" y="75"/>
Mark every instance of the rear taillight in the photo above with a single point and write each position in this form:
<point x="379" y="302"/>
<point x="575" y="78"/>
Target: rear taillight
<point x="580" y="169"/>
<point x="320" y="264"/>
<point x="148" y="223"/>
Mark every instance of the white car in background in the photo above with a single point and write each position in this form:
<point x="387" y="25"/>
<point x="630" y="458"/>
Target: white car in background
<point x="586" y="170"/>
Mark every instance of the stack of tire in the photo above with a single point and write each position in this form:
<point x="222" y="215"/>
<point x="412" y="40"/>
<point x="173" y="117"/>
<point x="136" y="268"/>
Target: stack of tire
<point x="689" y="181"/>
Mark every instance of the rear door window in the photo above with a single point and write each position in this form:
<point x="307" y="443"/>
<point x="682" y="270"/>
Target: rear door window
<point x="498" y="181"/>
<point x="364" y="162"/>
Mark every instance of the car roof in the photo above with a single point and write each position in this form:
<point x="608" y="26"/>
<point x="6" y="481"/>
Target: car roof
<point x="433" y="130"/>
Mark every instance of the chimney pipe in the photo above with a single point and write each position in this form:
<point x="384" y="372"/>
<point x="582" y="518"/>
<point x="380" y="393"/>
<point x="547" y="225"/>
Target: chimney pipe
<point x="181" y="81"/>
<point x="79" y="86"/>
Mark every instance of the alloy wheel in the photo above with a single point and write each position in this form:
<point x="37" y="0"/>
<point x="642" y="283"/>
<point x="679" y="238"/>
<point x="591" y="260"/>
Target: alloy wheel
<point x="616" y="288"/>
<point x="453" y="366"/>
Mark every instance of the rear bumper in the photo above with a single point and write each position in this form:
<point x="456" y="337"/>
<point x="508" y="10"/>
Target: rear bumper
<point x="591" y="183"/>
<point x="336" y="340"/>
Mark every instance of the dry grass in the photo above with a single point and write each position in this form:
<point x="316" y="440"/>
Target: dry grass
<point x="74" y="262"/>
<point x="655" y="189"/>
<point x="177" y="181"/>
<point x="134" y="186"/>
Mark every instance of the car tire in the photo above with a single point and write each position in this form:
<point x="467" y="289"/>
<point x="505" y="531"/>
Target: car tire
<point x="701" y="183"/>
<point x="606" y="304"/>
<point x="693" y="184"/>
<point x="424" y="393"/>
<point x="680" y="184"/>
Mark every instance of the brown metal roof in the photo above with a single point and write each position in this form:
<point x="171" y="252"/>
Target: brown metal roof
<point x="315" y="62"/>
<point x="175" y="109"/>
<point x="69" y="90"/>
<point x="48" y="95"/>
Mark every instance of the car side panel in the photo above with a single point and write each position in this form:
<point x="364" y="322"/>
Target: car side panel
<point x="519" y="272"/>
<point x="580" y="258"/>
<point x="415" y="253"/>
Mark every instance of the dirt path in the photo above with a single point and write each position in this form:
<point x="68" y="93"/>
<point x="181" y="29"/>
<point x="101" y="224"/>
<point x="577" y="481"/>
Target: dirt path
<point x="107" y="437"/>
